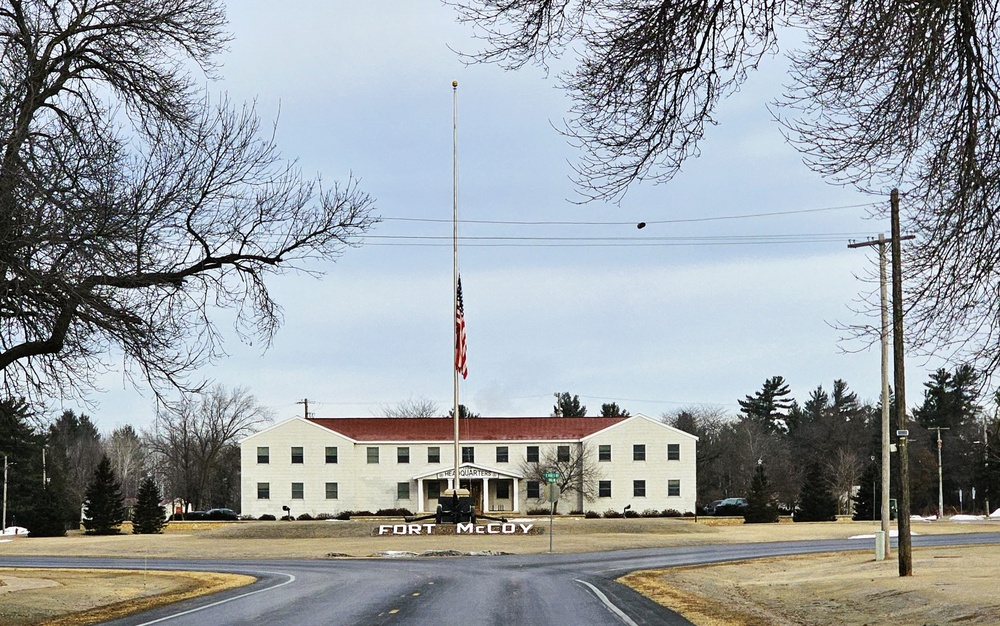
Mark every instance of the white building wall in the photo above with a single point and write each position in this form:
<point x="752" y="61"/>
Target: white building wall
<point x="365" y="486"/>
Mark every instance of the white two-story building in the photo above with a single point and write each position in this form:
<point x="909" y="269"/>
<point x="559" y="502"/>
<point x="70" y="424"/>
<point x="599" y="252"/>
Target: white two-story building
<point x="331" y="465"/>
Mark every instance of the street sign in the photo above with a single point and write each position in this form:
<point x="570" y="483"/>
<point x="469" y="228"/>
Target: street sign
<point x="902" y="433"/>
<point x="551" y="477"/>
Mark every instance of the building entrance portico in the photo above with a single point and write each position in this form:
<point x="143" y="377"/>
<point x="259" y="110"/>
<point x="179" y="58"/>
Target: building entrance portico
<point x="491" y="489"/>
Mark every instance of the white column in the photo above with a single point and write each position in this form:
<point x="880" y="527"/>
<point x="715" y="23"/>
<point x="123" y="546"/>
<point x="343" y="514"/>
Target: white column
<point x="516" y="489"/>
<point x="420" y="496"/>
<point x="486" y="495"/>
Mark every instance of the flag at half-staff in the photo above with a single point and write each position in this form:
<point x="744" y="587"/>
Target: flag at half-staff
<point x="460" y="346"/>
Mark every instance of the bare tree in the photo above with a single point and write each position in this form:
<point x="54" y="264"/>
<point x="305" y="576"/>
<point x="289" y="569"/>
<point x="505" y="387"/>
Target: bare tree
<point x="192" y="443"/>
<point x="578" y="469"/>
<point x="128" y="460"/>
<point x="74" y="446"/>
<point x="131" y="204"/>
<point x="881" y="95"/>
<point x="421" y="407"/>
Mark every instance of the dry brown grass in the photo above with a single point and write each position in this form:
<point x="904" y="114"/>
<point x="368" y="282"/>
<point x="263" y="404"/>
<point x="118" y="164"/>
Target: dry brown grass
<point x="849" y="588"/>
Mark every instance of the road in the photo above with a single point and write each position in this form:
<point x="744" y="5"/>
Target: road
<point x="551" y="589"/>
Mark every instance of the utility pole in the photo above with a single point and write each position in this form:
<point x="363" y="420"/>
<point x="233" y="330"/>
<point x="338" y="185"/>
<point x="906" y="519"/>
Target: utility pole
<point x="885" y="514"/>
<point x="899" y="378"/>
<point x="305" y="412"/>
<point x="940" y="473"/>
<point x="4" y="530"/>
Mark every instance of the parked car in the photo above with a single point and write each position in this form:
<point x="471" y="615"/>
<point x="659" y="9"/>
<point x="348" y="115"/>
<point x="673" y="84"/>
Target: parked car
<point x="221" y="514"/>
<point x="731" y="506"/>
<point x="710" y="507"/>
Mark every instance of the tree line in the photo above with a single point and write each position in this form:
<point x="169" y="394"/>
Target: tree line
<point x="190" y="453"/>
<point x="832" y="441"/>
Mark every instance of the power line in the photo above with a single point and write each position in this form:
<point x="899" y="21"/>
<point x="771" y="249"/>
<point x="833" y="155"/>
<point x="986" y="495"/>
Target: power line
<point x="631" y="222"/>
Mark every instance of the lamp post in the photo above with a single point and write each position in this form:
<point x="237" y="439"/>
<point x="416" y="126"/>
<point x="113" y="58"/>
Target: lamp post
<point x="940" y="474"/>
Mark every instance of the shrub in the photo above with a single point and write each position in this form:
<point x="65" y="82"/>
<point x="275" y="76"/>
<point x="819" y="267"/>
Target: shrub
<point x="613" y="513"/>
<point x="266" y="517"/>
<point x="305" y="517"/>
<point x="649" y="513"/>
<point x="630" y="513"/>
<point x="247" y="518"/>
<point x="346" y="515"/>
<point x="539" y="511"/>
<point x="394" y="512"/>
<point x="324" y="516"/>
<point x="671" y="513"/>
<point x="287" y="518"/>
<point x="689" y="514"/>
<point x="576" y="512"/>
<point x="591" y="515"/>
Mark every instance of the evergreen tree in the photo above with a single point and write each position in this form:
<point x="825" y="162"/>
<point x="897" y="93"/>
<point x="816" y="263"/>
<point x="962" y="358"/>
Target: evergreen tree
<point x="568" y="406"/>
<point x="613" y="410"/>
<point x="761" y="507"/>
<point x="866" y="501"/>
<point x="104" y="510"/>
<point x="47" y="518"/>
<point x="770" y="406"/>
<point x="21" y="445"/>
<point x="149" y="516"/>
<point x="816" y="502"/>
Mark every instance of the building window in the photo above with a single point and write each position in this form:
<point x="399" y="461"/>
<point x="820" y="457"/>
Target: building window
<point x="263" y="455"/>
<point x="604" y="489"/>
<point x="502" y="454"/>
<point x="531" y="456"/>
<point x="673" y="487"/>
<point x="403" y="455"/>
<point x="434" y="489"/>
<point x="503" y="490"/>
<point x="297" y="491"/>
<point x="434" y="454"/>
<point x="604" y="453"/>
<point x="673" y="452"/>
<point x="639" y="488"/>
<point x="331" y="454"/>
<point x="639" y="452"/>
<point x="402" y="491"/>
<point x="468" y="454"/>
<point x="263" y="491"/>
<point x="297" y="455"/>
<point x="562" y="454"/>
<point x="533" y="490"/>
<point x="373" y="454"/>
<point x="332" y="491"/>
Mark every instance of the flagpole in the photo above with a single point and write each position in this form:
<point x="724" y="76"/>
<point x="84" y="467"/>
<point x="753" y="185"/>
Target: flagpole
<point x="454" y="282"/>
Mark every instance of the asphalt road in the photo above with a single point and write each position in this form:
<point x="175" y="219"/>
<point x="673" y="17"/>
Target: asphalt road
<point x="550" y="589"/>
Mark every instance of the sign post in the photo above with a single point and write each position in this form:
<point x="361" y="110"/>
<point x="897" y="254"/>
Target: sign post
<point x="552" y="495"/>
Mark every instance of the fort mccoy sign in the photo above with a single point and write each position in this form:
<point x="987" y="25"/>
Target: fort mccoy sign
<point x="498" y="528"/>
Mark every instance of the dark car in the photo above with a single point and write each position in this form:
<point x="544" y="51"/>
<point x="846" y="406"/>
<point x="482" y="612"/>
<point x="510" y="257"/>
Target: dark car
<point x="731" y="506"/>
<point x="221" y="514"/>
<point x="710" y="507"/>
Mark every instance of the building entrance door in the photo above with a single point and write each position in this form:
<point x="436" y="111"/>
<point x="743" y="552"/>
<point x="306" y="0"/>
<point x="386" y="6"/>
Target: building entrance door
<point x="476" y="493"/>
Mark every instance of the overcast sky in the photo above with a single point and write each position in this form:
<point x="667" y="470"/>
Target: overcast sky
<point x="680" y="313"/>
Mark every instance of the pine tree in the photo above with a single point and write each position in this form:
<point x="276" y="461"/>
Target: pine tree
<point x="761" y="508"/>
<point x="47" y="516"/>
<point x="149" y="516"/>
<point x="816" y="501"/>
<point x="866" y="502"/>
<point x="104" y="510"/>
<point x="770" y="406"/>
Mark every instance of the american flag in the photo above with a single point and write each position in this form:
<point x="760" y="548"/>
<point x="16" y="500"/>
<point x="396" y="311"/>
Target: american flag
<point x="460" y="347"/>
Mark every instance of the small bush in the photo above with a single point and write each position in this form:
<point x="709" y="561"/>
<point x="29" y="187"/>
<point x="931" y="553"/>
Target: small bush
<point x="539" y="511"/>
<point x="649" y="513"/>
<point x="613" y="514"/>
<point x="266" y="517"/>
<point x="247" y="518"/>
<point x="394" y="512"/>
<point x="670" y="513"/>
<point x="346" y="515"/>
<point x="577" y="512"/>
<point x="631" y="513"/>
<point x="689" y="514"/>
<point x="324" y="516"/>
<point x="305" y="517"/>
<point x="287" y="518"/>
<point x="591" y="515"/>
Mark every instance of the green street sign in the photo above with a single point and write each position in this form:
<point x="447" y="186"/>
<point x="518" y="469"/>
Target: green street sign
<point x="551" y="476"/>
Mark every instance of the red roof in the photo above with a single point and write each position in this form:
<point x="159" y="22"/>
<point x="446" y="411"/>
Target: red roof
<point x="472" y="429"/>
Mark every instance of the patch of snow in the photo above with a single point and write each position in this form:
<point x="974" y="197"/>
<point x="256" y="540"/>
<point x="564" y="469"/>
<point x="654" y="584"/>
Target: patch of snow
<point x="396" y="554"/>
<point x="892" y="533"/>
<point x="15" y="530"/>
<point x="967" y="518"/>
<point x="995" y="513"/>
